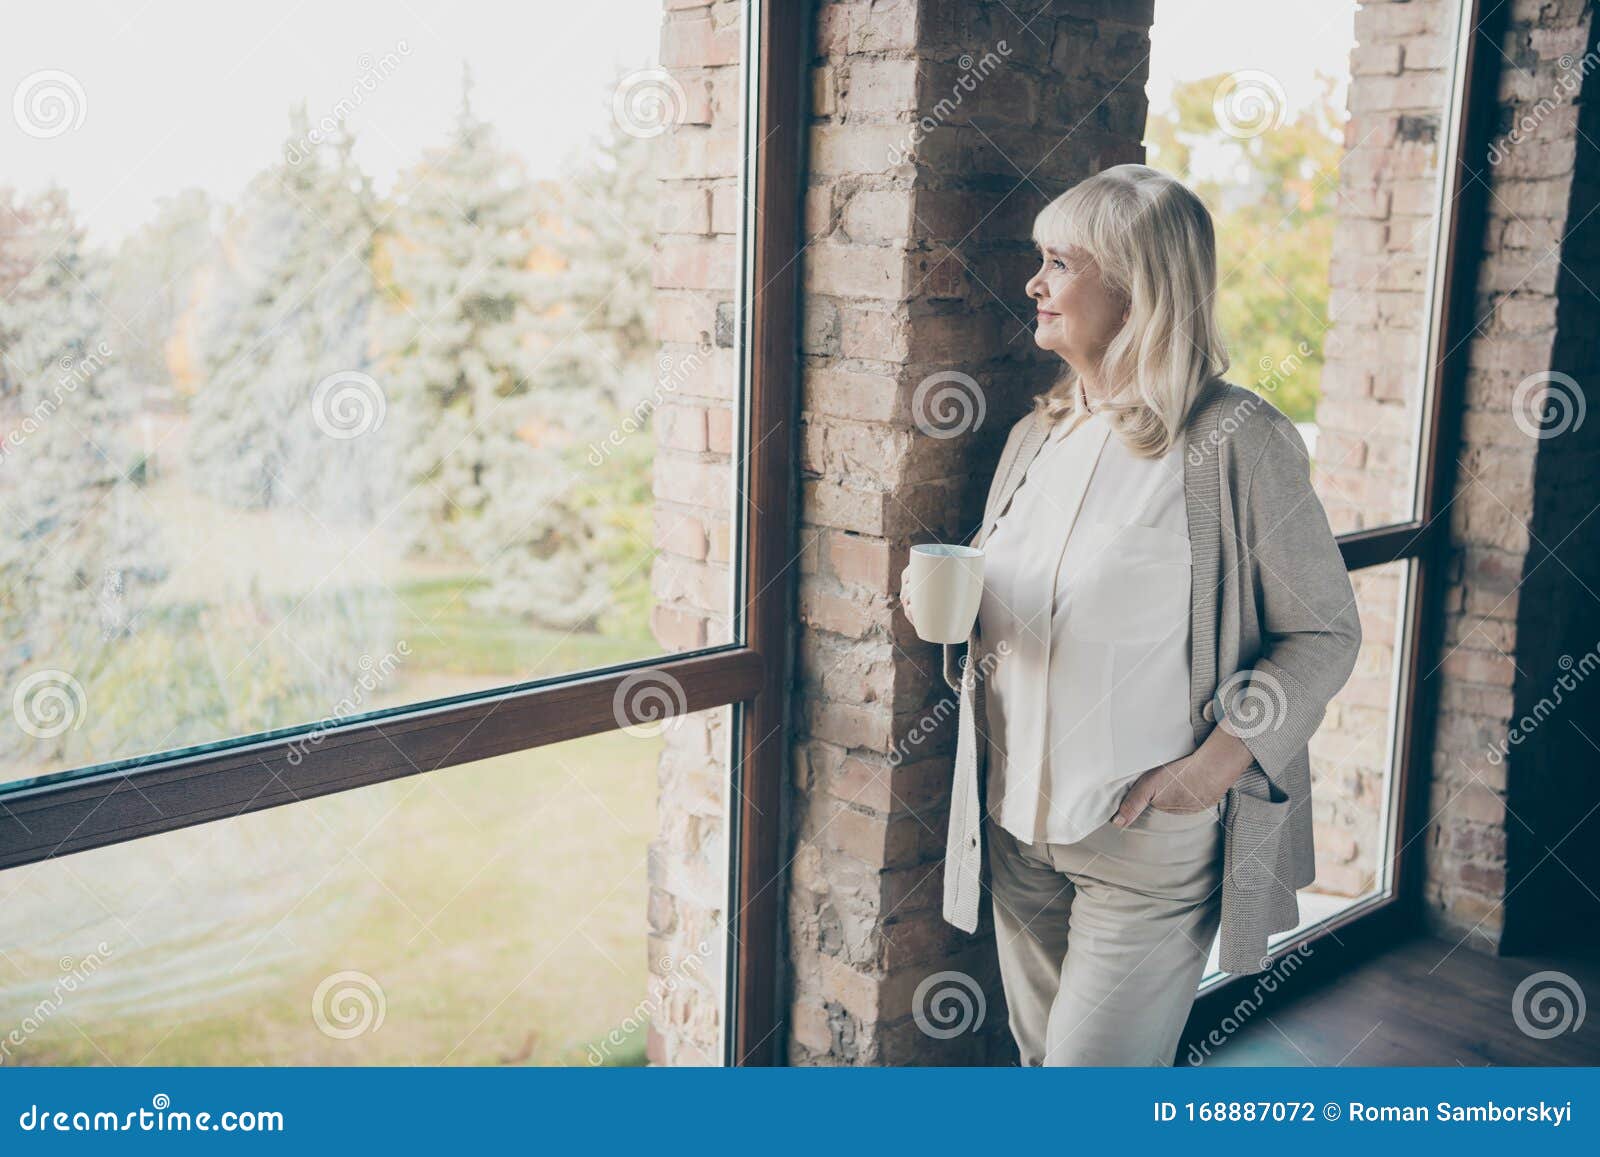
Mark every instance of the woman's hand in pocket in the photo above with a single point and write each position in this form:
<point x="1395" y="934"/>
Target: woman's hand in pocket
<point x="1193" y="783"/>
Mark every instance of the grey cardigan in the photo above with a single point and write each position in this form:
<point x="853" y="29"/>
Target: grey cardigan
<point x="1274" y="638"/>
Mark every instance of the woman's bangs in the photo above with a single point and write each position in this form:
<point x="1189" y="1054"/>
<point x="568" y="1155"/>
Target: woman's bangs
<point x="1074" y="221"/>
<point x="1059" y="225"/>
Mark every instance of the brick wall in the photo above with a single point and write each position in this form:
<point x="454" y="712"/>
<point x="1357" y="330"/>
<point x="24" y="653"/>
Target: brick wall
<point x="697" y="161"/>
<point x="1506" y="867"/>
<point x="938" y="131"/>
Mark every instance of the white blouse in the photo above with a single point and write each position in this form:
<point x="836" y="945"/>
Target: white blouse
<point x="1079" y="708"/>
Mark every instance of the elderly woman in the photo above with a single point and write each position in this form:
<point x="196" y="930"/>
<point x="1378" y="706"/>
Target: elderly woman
<point x="1165" y="617"/>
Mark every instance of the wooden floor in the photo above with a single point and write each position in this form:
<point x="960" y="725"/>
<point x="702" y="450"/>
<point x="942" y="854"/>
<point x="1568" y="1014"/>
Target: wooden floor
<point x="1426" y="1002"/>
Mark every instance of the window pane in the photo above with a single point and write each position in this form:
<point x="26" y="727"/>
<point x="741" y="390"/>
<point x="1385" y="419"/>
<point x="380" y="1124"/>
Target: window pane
<point x="332" y="364"/>
<point x="536" y="908"/>
<point x="1315" y="132"/>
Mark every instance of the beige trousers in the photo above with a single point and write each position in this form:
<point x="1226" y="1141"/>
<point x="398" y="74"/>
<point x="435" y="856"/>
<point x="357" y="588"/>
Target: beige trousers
<point x="1102" y="941"/>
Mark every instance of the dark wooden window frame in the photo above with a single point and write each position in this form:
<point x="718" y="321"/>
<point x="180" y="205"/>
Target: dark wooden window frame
<point x="1369" y="926"/>
<point x="137" y="798"/>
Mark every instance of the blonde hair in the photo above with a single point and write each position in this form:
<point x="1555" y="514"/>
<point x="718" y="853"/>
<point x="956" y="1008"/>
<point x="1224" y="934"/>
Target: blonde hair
<point x="1154" y="243"/>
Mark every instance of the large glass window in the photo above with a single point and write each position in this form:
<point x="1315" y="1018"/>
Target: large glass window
<point x="380" y="407"/>
<point x="331" y="374"/>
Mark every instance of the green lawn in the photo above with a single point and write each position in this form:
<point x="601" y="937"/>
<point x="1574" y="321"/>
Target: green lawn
<point x="447" y="634"/>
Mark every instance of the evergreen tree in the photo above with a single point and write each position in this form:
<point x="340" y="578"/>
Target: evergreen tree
<point x="562" y="534"/>
<point x="75" y="540"/>
<point x="287" y="310"/>
<point x="457" y="335"/>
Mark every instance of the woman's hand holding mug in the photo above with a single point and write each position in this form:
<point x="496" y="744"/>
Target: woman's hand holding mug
<point x="946" y="581"/>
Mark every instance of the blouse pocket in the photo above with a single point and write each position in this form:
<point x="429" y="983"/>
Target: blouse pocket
<point x="1132" y="587"/>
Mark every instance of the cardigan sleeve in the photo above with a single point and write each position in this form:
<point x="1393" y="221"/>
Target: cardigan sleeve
<point x="1310" y="628"/>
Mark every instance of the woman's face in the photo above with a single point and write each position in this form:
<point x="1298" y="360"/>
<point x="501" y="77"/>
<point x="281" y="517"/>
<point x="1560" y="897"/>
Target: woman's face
<point x="1078" y="313"/>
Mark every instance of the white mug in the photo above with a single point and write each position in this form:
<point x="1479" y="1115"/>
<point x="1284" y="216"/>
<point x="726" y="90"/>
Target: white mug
<point x="945" y="585"/>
